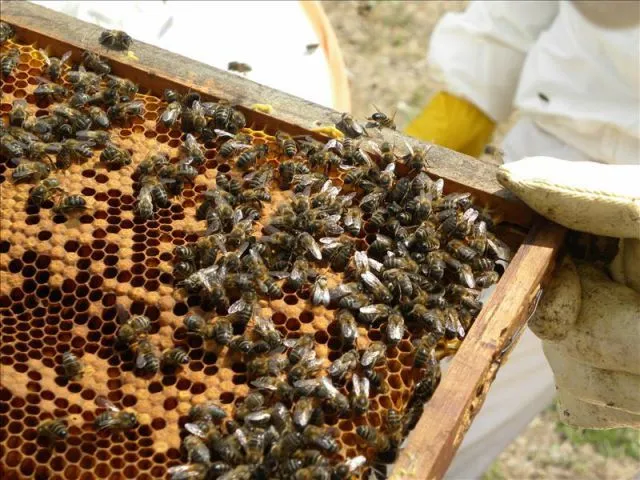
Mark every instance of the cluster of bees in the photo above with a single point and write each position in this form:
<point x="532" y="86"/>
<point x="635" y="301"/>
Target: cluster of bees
<point x="419" y="277"/>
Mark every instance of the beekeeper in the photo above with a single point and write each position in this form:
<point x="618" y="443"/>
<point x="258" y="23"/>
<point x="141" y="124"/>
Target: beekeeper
<point x="290" y="46"/>
<point x="572" y="71"/>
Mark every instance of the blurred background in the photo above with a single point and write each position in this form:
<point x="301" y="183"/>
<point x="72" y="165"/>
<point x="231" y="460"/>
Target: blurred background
<point x="384" y="46"/>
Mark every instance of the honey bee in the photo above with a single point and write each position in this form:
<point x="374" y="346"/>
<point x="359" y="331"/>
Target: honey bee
<point x="197" y="451"/>
<point x="395" y="328"/>
<point x="335" y="399"/>
<point x="115" y="40"/>
<point x="83" y="81"/>
<point x="267" y="330"/>
<point x="114" y="418"/>
<point x="379" y="120"/>
<point x="133" y="328"/>
<point x="206" y="412"/>
<point x="174" y="357"/>
<point x="341" y="366"/>
<point x="487" y="278"/>
<point x="424" y="356"/>
<point x="232" y="147"/>
<point x="350" y="127"/>
<point x="378" y="440"/>
<point x="171" y="114"/>
<point x="53" y="429"/>
<point x="6" y="32"/>
<point x="244" y="308"/>
<point x="321" y="438"/>
<point x="19" y="112"/>
<point x="299" y="274"/>
<point x="374" y="354"/>
<point x="354" y="301"/>
<point x="360" y="397"/>
<point x="115" y="156"/>
<point x="239" y="67"/>
<point x="346" y="469"/>
<point x="306" y="367"/>
<point x="31" y="171"/>
<point x="287" y="144"/>
<point x="73" y="368"/>
<point x="146" y="357"/>
<point x="69" y="203"/>
<point x="348" y="327"/>
<point x="320" y="291"/>
<point x="300" y="347"/>
<point x="248" y="158"/>
<point x="49" y="92"/>
<point x="54" y="65"/>
<point x="191" y="152"/>
<point x="192" y="471"/>
<point x="193" y="118"/>
<point x="44" y="190"/>
<point x="9" y="61"/>
<point x="377" y="288"/>
<point x="144" y="202"/>
<point x="122" y="111"/>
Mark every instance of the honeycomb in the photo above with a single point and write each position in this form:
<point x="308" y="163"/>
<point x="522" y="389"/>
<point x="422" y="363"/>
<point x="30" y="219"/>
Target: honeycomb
<point x="61" y="279"/>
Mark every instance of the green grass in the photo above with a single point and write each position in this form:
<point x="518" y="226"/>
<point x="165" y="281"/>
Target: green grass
<point x="617" y="442"/>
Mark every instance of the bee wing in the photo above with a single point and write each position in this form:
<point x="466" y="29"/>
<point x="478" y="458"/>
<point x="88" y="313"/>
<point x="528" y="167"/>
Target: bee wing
<point x="375" y="265"/>
<point x="470" y="215"/>
<point x="314" y="249"/>
<point x="355" y="463"/>
<point x="242" y="438"/>
<point x="238" y="305"/>
<point x="331" y="390"/>
<point x="237" y="216"/>
<point x="106" y="403"/>
<point x="320" y="295"/>
<point x="65" y="56"/>
<point x="191" y="471"/>
<point x="283" y="274"/>
<point x="222" y="133"/>
<point x="371" y="147"/>
<point x="361" y="261"/>
<point x="306" y="386"/>
<point x="140" y="361"/>
<point x="42" y="80"/>
<point x="45" y="57"/>
<point x="121" y="313"/>
<point x="265" y="383"/>
<point x="390" y="168"/>
<point x="371" y="280"/>
<point x="377" y="308"/>
<point x="357" y="388"/>
<point x="501" y="249"/>
<point x="194" y="429"/>
<point x="438" y="187"/>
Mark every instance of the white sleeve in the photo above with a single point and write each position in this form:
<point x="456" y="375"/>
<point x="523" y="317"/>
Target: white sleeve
<point x="479" y="53"/>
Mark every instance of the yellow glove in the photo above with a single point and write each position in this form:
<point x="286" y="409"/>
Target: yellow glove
<point x="453" y="122"/>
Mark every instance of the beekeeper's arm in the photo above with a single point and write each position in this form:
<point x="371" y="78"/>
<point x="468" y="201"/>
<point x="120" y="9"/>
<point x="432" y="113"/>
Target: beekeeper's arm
<point x="478" y="55"/>
<point x="588" y="319"/>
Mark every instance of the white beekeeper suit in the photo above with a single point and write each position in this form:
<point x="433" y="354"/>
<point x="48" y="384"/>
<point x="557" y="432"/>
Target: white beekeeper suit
<point x="271" y="37"/>
<point x="573" y="71"/>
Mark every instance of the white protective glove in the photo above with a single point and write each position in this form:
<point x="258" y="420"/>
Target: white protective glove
<point x="589" y="323"/>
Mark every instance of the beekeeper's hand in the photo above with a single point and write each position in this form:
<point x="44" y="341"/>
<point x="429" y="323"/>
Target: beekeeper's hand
<point x="589" y="321"/>
<point x="453" y="122"/>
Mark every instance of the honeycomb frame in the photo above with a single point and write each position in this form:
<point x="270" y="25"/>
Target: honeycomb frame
<point x="59" y="283"/>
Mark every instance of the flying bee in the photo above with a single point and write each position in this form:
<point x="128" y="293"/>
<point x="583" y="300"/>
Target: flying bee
<point x="115" y="156"/>
<point x="197" y="451"/>
<point x="19" y="112"/>
<point x="69" y="203"/>
<point x="350" y="127"/>
<point x="9" y="61"/>
<point x="54" y="65"/>
<point x="49" y="92"/>
<point x="146" y="360"/>
<point x="53" y="429"/>
<point x="44" y="190"/>
<point x="248" y="158"/>
<point x="115" y="40"/>
<point x="114" y="418"/>
<point x="239" y="67"/>
<point x="6" y="32"/>
<point x="374" y="354"/>
<point x="122" y="111"/>
<point x="30" y="171"/>
<point x="320" y="291"/>
<point x="379" y="120"/>
<point x="73" y="368"/>
<point x="174" y="357"/>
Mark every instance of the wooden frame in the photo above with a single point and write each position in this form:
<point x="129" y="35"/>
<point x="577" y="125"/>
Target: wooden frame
<point x="448" y="414"/>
